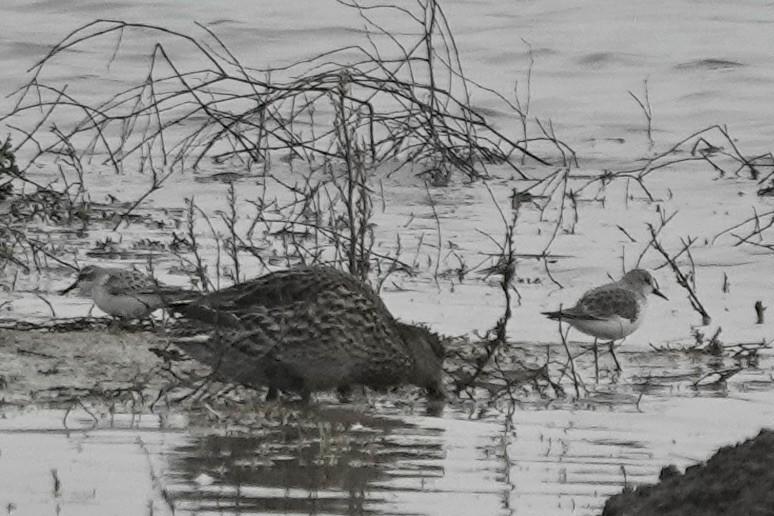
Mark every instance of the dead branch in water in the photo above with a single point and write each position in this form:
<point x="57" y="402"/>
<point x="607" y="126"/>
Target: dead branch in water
<point x="759" y="226"/>
<point x="495" y="338"/>
<point x="759" y="312"/>
<point x="723" y="156"/>
<point x="505" y="267"/>
<point x="227" y="112"/>
<point x="402" y="103"/>
<point x="685" y="280"/>
<point x="644" y="104"/>
<point x="576" y="380"/>
<point x="496" y="364"/>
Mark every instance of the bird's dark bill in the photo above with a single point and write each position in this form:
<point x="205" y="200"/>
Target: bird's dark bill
<point x="68" y="289"/>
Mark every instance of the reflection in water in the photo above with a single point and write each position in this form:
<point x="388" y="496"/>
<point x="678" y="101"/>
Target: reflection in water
<point x="349" y="460"/>
<point x="323" y="460"/>
<point x="557" y="456"/>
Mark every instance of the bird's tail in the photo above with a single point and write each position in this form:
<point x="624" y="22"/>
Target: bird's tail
<point x="194" y="310"/>
<point x="571" y="314"/>
<point x="171" y="295"/>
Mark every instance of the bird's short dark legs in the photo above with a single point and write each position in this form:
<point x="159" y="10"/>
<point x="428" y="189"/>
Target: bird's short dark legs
<point x="115" y="324"/>
<point x="272" y="394"/>
<point x="344" y="393"/>
<point x="435" y="405"/>
<point x="154" y="327"/>
<point x="436" y="391"/>
<point x="612" y="352"/>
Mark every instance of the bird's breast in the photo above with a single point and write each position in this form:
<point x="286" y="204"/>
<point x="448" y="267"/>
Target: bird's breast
<point x="612" y="328"/>
<point x="125" y="305"/>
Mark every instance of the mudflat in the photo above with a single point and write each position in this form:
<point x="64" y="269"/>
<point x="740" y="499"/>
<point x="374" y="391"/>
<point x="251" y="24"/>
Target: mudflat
<point x="736" y="480"/>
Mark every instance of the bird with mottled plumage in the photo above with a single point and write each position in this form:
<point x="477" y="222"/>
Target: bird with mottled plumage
<point x="122" y="293"/>
<point x="307" y="329"/>
<point x="612" y="311"/>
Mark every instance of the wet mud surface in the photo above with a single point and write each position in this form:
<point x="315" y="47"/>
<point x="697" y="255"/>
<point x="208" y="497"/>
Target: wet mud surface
<point x="78" y="406"/>
<point x="59" y="368"/>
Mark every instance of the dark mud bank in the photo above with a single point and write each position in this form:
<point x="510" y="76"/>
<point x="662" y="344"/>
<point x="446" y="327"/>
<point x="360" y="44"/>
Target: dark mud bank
<point x="737" y="480"/>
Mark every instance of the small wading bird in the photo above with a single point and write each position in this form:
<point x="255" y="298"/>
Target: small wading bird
<point x="126" y="294"/>
<point x="611" y="311"/>
<point x="307" y="329"/>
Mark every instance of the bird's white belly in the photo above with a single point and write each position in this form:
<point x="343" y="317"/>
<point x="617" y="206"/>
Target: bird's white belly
<point x="127" y="306"/>
<point x="613" y="328"/>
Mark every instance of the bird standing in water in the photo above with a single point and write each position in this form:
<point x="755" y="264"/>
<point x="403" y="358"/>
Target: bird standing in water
<point x="612" y="311"/>
<point x="307" y="329"/>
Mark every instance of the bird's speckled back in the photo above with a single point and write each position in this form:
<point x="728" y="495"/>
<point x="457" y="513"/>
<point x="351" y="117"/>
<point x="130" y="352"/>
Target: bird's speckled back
<point x="308" y="329"/>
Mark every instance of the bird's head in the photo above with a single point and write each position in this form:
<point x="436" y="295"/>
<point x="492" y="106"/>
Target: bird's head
<point x="87" y="278"/>
<point x="427" y="352"/>
<point x="642" y="281"/>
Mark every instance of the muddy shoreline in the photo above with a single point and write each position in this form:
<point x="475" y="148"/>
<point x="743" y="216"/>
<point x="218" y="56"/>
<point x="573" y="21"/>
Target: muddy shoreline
<point x="55" y="369"/>
<point x="113" y="370"/>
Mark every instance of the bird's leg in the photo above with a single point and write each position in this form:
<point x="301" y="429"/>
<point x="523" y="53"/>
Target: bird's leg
<point x="272" y="394"/>
<point x="152" y="322"/>
<point x="114" y="324"/>
<point x="435" y="407"/>
<point x="344" y="393"/>
<point x="612" y="352"/>
<point x="596" y="360"/>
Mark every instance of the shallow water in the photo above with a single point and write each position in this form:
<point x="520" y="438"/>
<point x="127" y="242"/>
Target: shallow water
<point x="381" y="455"/>
<point x="549" y="462"/>
<point x="706" y="63"/>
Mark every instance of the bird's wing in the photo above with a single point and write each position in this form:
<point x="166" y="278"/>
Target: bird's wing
<point x="122" y="281"/>
<point x="604" y="303"/>
<point x="288" y="287"/>
<point x="135" y="283"/>
<point x="274" y="289"/>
